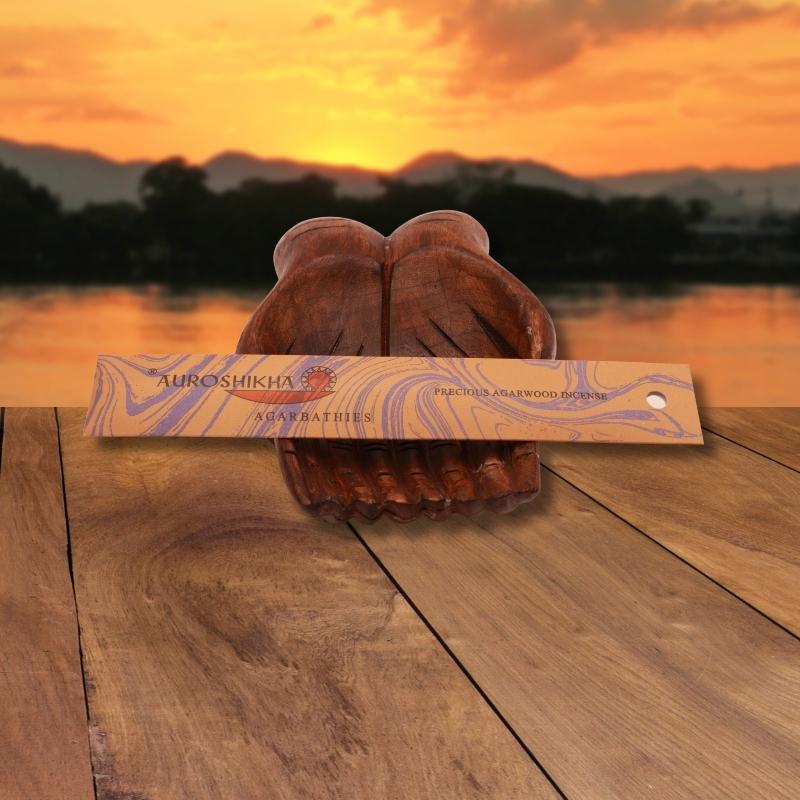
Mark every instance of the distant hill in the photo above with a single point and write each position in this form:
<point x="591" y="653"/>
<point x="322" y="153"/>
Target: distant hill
<point x="79" y="177"/>
<point x="76" y="176"/>
<point x="700" y="188"/>
<point x="228" y="170"/>
<point x="755" y="188"/>
<point x="434" y="167"/>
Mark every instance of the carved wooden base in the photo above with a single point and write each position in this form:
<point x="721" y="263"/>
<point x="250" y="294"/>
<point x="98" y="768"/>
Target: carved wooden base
<point x="428" y="289"/>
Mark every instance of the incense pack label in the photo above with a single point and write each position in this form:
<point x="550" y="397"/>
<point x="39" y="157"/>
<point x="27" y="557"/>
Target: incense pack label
<point x="355" y="397"/>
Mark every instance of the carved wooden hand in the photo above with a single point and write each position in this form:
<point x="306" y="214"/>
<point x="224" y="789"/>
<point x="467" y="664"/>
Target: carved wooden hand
<point x="428" y="289"/>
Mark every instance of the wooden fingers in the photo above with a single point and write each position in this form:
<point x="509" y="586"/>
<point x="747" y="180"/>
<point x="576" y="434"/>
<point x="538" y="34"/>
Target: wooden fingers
<point x="345" y="479"/>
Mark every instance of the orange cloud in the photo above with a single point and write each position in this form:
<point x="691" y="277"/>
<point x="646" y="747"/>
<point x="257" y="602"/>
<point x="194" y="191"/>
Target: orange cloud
<point x="55" y="108"/>
<point x="60" y="74"/>
<point x="790" y="117"/>
<point x="55" y="52"/>
<point x="514" y="42"/>
<point x="320" y="21"/>
<point x="99" y="111"/>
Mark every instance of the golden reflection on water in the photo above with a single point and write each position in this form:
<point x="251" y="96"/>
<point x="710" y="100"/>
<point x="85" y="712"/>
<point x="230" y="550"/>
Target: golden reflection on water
<point x="742" y="342"/>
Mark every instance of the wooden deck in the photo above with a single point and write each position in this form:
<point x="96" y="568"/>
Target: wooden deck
<point x="173" y="627"/>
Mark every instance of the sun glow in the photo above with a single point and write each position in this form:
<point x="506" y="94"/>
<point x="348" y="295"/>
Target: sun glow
<point x="347" y="155"/>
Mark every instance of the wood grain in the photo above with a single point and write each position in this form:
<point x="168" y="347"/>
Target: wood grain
<point x="730" y="512"/>
<point x="774" y="432"/>
<point x="44" y="749"/>
<point x="239" y="649"/>
<point x="628" y="673"/>
<point x="428" y="289"/>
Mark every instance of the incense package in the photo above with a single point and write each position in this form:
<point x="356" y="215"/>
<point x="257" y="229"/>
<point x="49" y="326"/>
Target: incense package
<point x="393" y="398"/>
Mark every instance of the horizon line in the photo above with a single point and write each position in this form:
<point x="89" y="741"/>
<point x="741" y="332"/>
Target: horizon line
<point x="688" y="166"/>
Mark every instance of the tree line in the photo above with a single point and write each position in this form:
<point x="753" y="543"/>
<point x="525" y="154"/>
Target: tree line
<point x="182" y="232"/>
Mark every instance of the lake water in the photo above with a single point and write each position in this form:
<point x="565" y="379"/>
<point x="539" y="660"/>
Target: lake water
<point x="742" y="342"/>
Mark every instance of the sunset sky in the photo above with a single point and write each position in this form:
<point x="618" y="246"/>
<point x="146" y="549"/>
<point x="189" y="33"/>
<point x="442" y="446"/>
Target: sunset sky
<point x="590" y="86"/>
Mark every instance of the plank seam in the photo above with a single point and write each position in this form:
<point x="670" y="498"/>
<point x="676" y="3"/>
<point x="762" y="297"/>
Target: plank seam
<point x="75" y="601"/>
<point x="751" y="449"/>
<point x="2" y="431"/>
<point x="459" y="664"/>
<point x="676" y="555"/>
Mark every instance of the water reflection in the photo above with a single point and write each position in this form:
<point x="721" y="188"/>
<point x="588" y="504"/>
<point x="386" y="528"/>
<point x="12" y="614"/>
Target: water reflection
<point x="742" y="342"/>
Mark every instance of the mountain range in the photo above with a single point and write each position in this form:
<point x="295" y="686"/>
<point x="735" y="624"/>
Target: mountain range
<point x="80" y="176"/>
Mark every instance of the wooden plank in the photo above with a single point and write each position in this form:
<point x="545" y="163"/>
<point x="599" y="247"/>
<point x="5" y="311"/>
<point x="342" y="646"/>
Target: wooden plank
<point x="44" y="749"/>
<point x="733" y="514"/>
<point x="238" y="648"/>
<point x="628" y="673"/>
<point x="773" y="432"/>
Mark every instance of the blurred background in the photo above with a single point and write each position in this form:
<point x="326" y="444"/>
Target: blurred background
<point x="637" y="164"/>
